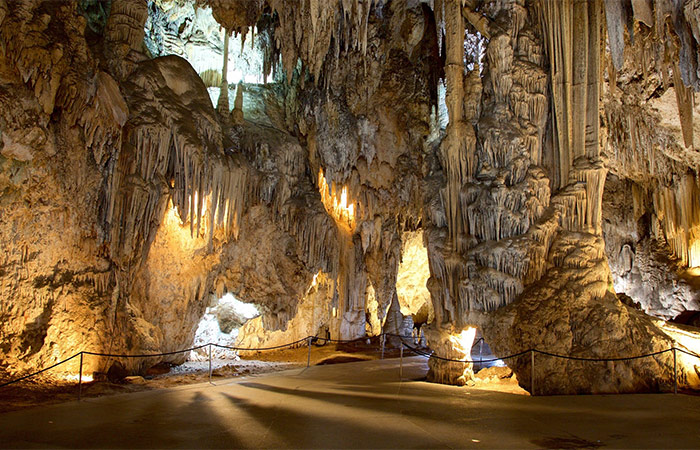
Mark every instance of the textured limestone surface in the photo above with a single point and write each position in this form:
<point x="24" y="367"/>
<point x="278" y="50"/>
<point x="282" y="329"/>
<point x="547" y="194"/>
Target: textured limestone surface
<point x="353" y="168"/>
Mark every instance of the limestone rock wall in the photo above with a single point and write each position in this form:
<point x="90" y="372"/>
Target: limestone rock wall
<point x="642" y="264"/>
<point x="653" y="163"/>
<point x="56" y="277"/>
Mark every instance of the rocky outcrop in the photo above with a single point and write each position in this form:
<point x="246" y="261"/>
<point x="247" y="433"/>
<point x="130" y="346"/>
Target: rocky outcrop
<point x="641" y="263"/>
<point x="56" y="279"/>
<point x="518" y="245"/>
<point x="649" y="217"/>
<point x="582" y="318"/>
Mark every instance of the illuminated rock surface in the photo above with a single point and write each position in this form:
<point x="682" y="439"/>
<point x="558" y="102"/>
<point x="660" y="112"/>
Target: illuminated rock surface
<point x="352" y="168"/>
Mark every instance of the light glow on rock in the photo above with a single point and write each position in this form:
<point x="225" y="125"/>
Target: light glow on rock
<point x="314" y="282"/>
<point x="412" y="276"/>
<point x="179" y="229"/>
<point x="688" y="340"/>
<point x="196" y="203"/>
<point x="177" y="222"/>
<point x="463" y="342"/>
<point x="76" y="377"/>
<point x="694" y="255"/>
<point x="337" y="205"/>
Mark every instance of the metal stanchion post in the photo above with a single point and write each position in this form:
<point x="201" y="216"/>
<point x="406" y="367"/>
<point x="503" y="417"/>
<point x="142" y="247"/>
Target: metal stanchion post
<point x="675" y="372"/>
<point x="481" y="351"/>
<point x="308" y="356"/>
<point x="383" y="339"/>
<point x="532" y="374"/>
<point x="210" y="362"/>
<point x="401" y="363"/>
<point x="80" y="378"/>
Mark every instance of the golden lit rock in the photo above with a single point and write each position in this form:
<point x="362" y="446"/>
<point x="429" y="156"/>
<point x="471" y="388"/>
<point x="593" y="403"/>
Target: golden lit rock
<point x="337" y="203"/>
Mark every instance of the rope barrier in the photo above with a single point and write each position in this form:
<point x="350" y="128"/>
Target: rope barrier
<point x="687" y="352"/>
<point x="364" y="338"/>
<point x="262" y="348"/>
<point x="41" y="371"/>
<point x="312" y="339"/>
<point x="580" y="358"/>
<point x="145" y="355"/>
<point x="433" y="355"/>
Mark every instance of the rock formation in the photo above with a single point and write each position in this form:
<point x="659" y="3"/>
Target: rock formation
<point x="342" y="191"/>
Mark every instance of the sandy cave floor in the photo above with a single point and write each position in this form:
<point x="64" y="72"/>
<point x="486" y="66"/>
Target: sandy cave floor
<point x="45" y="390"/>
<point x="49" y="389"/>
<point x="356" y="405"/>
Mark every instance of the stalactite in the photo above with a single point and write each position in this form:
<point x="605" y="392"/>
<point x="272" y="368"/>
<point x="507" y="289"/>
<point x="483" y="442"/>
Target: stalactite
<point x="103" y="121"/>
<point x="457" y="148"/>
<point x="40" y="62"/>
<point x="615" y="17"/>
<point x="592" y="174"/>
<point x="685" y="100"/>
<point x="124" y="36"/>
<point x="642" y="11"/>
<point x="505" y="233"/>
<point x="3" y="10"/>
<point x="316" y="236"/>
<point x="222" y="105"/>
<point x="575" y="77"/>
<point x="679" y="213"/>
<point x="306" y="32"/>
<point x="162" y="155"/>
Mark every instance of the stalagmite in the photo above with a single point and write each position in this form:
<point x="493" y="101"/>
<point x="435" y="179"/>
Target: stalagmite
<point x="237" y="112"/>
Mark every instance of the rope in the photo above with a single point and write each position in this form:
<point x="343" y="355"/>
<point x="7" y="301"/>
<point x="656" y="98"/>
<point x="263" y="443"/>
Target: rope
<point x="515" y="355"/>
<point x="146" y="355"/>
<point x="687" y="352"/>
<point x="41" y="371"/>
<point x="580" y="358"/>
<point x="341" y="341"/>
<point x="433" y="355"/>
<point x="312" y="339"/>
<point x="364" y="338"/>
<point x="262" y="348"/>
<point x="398" y="335"/>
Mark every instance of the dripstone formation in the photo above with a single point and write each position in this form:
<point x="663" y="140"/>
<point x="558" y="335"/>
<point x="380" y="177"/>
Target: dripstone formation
<point x="356" y="166"/>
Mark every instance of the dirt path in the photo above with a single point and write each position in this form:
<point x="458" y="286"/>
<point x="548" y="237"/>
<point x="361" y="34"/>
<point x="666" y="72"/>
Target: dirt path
<point x="48" y="389"/>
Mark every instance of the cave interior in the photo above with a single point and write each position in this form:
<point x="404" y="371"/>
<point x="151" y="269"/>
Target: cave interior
<point x="516" y="173"/>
